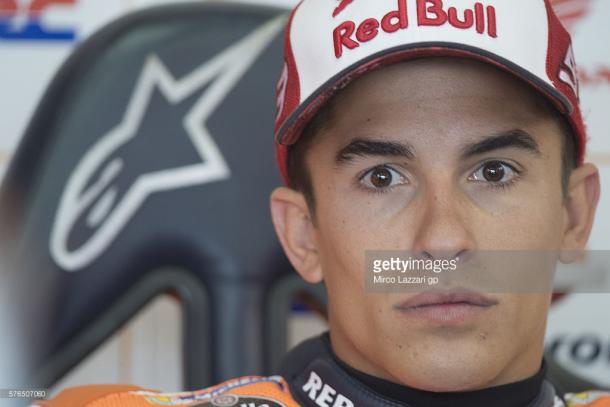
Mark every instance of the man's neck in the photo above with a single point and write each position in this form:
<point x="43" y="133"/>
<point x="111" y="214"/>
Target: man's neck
<point x="317" y="377"/>
<point x="520" y="393"/>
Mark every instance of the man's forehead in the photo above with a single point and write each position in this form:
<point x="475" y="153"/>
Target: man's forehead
<point x="435" y="79"/>
<point x="433" y="95"/>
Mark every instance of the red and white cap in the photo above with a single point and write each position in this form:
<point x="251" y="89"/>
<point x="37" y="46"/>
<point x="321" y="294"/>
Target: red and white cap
<point x="329" y="43"/>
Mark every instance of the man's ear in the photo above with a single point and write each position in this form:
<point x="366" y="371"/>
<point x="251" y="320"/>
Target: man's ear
<point x="580" y="207"/>
<point x="295" y="229"/>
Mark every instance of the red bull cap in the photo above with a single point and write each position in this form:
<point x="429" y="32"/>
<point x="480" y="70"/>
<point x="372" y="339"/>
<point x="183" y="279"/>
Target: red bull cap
<point x="329" y="43"/>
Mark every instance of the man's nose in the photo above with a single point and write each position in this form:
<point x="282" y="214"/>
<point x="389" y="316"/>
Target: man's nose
<point x="443" y="231"/>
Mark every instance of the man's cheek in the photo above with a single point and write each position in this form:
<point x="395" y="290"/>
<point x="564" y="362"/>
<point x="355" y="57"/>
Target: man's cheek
<point x="354" y="233"/>
<point x="488" y="200"/>
<point x="362" y="232"/>
<point x="534" y="228"/>
<point x="371" y="207"/>
<point x="525" y="224"/>
<point x="342" y="258"/>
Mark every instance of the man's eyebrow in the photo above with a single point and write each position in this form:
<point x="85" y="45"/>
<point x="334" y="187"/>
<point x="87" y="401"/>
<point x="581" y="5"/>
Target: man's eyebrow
<point x="516" y="138"/>
<point x="360" y="147"/>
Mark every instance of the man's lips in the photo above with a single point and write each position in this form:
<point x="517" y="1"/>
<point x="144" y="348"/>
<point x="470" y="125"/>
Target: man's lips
<point x="431" y="298"/>
<point x="446" y="307"/>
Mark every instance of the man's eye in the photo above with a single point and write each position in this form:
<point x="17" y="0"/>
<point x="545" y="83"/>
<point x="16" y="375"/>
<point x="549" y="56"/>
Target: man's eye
<point x="381" y="178"/>
<point x="495" y="172"/>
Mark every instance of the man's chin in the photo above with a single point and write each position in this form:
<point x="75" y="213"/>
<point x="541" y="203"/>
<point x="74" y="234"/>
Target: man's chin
<point x="448" y="380"/>
<point x="448" y="370"/>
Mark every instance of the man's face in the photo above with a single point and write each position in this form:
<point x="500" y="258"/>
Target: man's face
<point x="437" y="157"/>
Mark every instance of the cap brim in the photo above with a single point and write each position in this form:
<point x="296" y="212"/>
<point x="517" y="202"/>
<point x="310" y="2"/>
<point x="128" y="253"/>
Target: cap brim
<point x="291" y="129"/>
